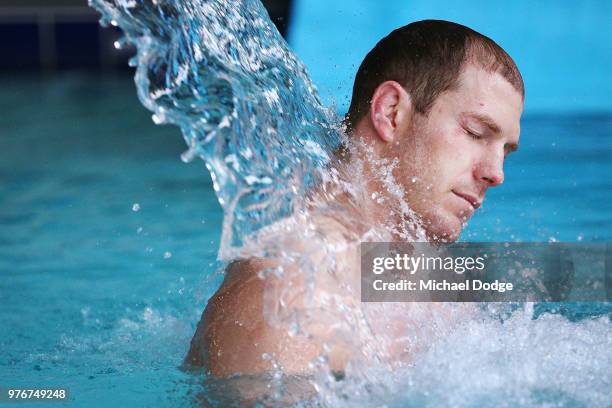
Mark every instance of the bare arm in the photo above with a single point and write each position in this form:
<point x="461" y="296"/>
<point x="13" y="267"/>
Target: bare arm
<point x="233" y="335"/>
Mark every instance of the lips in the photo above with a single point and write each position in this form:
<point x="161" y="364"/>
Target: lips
<point x="472" y="200"/>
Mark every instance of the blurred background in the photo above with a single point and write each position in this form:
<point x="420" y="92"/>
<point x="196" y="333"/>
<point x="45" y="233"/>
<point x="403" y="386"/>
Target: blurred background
<point x="108" y="241"/>
<point x="564" y="51"/>
<point x="66" y="89"/>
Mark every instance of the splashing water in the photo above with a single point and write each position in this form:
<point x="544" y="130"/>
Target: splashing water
<point x="223" y="74"/>
<point x="245" y="104"/>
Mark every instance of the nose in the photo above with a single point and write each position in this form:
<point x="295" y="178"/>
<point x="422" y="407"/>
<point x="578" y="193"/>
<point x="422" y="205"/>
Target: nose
<point x="490" y="169"/>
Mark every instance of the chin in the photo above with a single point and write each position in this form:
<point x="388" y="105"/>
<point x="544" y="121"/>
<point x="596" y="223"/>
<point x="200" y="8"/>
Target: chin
<point x="443" y="228"/>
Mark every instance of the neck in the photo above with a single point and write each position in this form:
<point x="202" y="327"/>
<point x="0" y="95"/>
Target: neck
<point x="367" y="190"/>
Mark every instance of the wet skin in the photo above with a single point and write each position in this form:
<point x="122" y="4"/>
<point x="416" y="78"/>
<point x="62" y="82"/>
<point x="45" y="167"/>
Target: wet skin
<point x="447" y="160"/>
<point x="451" y="156"/>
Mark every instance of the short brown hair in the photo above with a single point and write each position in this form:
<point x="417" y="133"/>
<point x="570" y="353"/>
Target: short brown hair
<point x="426" y="58"/>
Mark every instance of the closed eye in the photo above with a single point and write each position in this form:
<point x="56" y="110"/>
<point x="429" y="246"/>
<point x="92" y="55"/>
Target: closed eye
<point x="473" y="135"/>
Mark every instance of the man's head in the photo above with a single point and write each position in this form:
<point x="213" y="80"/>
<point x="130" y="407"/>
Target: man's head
<point x="446" y="101"/>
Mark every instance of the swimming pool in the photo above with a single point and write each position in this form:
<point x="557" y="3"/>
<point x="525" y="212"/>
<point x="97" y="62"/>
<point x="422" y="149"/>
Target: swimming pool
<point x="94" y="293"/>
<point x="108" y="248"/>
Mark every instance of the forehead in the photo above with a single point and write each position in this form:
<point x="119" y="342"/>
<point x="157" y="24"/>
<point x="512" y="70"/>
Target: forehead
<point x="487" y="94"/>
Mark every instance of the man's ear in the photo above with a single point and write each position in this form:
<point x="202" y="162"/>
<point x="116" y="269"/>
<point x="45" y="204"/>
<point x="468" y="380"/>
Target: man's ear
<point x="389" y="110"/>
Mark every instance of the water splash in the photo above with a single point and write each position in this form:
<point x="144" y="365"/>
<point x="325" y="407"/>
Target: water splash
<point x="221" y="72"/>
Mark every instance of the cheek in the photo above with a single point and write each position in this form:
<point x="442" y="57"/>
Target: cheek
<point x="464" y="150"/>
<point x="449" y="160"/>
<point x="436" y="159"/>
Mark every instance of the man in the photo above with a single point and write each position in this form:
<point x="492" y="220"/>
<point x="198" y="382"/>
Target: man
<point x="435" y="110"/>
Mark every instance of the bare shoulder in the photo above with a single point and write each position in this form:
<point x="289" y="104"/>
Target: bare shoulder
<point x="233" y="335"/>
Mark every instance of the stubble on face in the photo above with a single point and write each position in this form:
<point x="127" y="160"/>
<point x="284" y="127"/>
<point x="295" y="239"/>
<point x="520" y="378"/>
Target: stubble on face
<point x="438" y="158"/>
<point x="426" y="183"/>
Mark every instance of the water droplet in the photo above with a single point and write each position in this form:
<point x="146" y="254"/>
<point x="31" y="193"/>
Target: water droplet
<point x="158" y="118"/>
<point x="188" y="155"/>
<point x="293" y="329"/>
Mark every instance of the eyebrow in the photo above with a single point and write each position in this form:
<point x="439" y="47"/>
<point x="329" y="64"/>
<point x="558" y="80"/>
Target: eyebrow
<point x="486" y="120"/>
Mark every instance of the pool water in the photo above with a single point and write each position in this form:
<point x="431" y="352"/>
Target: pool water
<point x="95" y="295"/>
<point x="108" y="247"/>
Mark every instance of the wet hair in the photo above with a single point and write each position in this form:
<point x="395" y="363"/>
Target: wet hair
<point x="426" y="58"/>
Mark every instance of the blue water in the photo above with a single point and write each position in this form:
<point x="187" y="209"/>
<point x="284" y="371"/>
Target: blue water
<point x="90" y="302"/>
<point x="244" y="102"/>
<point x="108" y="248"/>
<point x="88" y="299"/>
